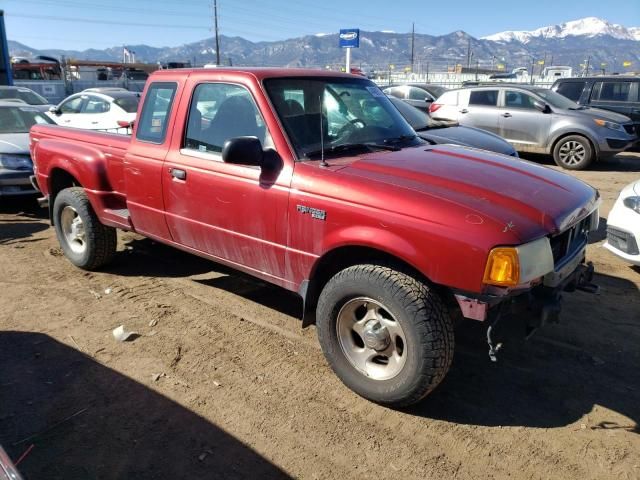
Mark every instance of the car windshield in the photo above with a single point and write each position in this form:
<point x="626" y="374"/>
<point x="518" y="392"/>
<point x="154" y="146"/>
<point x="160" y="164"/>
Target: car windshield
<point x="435" y="90"/>
<point x="20" y="119"/>
<point x="351" y="113"/>
<point x="556" y="100"/>
<point x="129" y="103"/>
<point x="28" y="96"/>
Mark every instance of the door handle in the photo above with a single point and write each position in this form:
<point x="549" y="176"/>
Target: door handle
<point x="506" y="115"/>
<point x="177" y="173"/>
<point x="464" y="110"/>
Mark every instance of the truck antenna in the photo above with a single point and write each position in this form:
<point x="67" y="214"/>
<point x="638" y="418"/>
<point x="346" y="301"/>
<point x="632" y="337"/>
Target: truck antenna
<point x="323" y="162"/>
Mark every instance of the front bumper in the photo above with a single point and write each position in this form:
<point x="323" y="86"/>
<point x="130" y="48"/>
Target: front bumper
<point x="15" y="183"/>
<point x="614" y="142"/>
<point x="538" y="305"/>
<point x="623" y="233"/>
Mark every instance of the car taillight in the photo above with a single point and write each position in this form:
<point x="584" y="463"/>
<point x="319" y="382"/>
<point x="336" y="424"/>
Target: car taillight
<point x="434" y="107"/>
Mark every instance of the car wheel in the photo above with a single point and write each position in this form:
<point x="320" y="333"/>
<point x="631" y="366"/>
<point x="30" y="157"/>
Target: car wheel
<point x="573" y="153"/>
<point x="387" y="335"/>
<point x="85" y="241"/>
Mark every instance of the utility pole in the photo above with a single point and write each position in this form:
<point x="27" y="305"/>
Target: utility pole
<point x="215" y="23"/>
<point x="413" y="40"/>
<point x="586" y="69"/>
<point x="469" y="54"/>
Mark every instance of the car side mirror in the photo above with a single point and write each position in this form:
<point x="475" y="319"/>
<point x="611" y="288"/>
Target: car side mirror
<point x="53" y="109"/>
<point x="126" y="123"/>
<point x="541" y="106"/>
<point x="243" y="151"/>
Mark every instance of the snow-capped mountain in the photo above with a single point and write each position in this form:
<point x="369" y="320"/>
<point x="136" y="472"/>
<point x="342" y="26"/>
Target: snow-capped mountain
<point x="584" y="27"/>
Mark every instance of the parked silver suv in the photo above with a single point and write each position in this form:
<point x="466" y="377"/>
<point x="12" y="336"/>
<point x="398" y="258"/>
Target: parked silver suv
<point x="538" y="120"/>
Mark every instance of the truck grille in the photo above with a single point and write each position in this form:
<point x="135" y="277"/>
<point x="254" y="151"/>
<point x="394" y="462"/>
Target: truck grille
<point x="566" y="244"/>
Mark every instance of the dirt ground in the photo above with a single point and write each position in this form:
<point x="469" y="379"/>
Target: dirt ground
<point x="222" y="382"/>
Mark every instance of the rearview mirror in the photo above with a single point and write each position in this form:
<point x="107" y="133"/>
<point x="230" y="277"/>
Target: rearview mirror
<point x="243" y="151"/>
<point x="541" y="106"/>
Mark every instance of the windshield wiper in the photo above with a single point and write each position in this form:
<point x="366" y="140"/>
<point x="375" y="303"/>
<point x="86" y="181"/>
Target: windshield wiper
<point x="348" y="147"/>
<point x="401" y="138"/>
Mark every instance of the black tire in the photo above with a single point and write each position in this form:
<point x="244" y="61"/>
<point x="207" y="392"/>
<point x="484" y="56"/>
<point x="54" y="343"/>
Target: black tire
<point x="419" y="311"/>
<point x="573" y="152"/>
<point x="99" y="241"/>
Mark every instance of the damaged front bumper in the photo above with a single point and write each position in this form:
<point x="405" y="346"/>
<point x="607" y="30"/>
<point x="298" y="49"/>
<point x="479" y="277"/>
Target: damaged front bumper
<point x="532" y="308"/>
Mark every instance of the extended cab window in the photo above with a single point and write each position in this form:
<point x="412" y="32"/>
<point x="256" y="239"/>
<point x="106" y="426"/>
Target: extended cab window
<point x="487" y="98"/>
<point x="614" y="91"/>
<point x="152" y="126"/>
<point x="571" y="90"/>
<point x="220" y="111"/>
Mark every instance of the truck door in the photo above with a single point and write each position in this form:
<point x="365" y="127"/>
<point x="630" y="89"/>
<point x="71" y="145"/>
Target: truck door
<point x="620" y="96"/>
<point x="228" y="211"/>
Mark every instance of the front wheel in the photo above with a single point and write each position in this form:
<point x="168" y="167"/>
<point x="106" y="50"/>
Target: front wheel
<point x="387" y="335"/>
<point x="85" y="241"/>
<point x="573" y="153"/>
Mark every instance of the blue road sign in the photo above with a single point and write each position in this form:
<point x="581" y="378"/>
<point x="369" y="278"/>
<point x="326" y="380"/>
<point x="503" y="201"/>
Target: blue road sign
<point x="349" y="38"/>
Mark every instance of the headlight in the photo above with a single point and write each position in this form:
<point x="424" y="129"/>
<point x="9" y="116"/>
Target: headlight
<point x="511" y="266"/>
<point x="633" y="203"/>
<point x="611" y="125"/>
<point x="16" y="162"/>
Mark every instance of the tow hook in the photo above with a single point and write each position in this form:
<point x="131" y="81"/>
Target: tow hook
<point x="584" y="280"/>
<point x="493" y="348"/>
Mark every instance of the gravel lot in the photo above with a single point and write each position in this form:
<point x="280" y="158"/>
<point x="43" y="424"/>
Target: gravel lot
<point x="222" y="382"/>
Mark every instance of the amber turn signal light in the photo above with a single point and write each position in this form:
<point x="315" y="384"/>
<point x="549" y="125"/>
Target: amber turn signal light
<point x="503" y="267"/>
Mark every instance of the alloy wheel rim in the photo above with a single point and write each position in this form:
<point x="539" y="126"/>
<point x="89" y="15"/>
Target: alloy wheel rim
<point x="572" y="153"/>
<point x="371" y="339"/>
<point x="73" y="229"/>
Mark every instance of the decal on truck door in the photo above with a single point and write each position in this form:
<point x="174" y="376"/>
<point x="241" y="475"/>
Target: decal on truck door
<point x="315" y="213"/>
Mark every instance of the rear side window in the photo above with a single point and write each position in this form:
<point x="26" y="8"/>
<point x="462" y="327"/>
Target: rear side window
<point x="571" y="90"/>
<point x="614" y="91"/>
<point x="487" y="98"/>
<point x="416" y="93"/>
<point x="152" y="126"/>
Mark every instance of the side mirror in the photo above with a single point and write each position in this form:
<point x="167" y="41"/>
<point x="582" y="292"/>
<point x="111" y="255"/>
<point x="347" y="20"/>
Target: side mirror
<point x="53" y="109"/>
<point x="541" y="106"/>
<point x="243" y="151"/>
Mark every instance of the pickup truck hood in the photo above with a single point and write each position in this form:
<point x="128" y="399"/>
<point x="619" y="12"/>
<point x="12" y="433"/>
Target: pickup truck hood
<point x="522" y="197"/>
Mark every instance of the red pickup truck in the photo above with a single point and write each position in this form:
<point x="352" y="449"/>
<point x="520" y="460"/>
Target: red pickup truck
<point x="313" y="181"/>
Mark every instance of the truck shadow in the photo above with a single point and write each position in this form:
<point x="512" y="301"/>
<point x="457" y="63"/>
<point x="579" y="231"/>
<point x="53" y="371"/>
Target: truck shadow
<point x="27" y="220"/>
<point x="88" y="421"/>
<point x="558" y="376"/>
<point x="552" y="380"/>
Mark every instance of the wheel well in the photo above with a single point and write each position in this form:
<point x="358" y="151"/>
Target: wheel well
<point x="339" y="259"/>
<point x="59" y="180"/>
<point x="576" y="134"/>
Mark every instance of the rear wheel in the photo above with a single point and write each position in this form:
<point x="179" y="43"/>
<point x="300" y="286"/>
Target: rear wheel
<point x="386" y="335"/>
<point x="85" y="241"/>
<point x="573" y="153"/>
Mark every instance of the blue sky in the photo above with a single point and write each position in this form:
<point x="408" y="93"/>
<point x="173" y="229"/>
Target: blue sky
<point x="82" y="24"/>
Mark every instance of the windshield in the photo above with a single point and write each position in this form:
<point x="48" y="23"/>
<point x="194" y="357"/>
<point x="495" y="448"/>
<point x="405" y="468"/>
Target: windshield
<point x="555" y="99"/>
<point x="129" y="103"/>
<point x="30" y="97"/>
<point x="351" y="112"/>
<point x="20" y="119"/>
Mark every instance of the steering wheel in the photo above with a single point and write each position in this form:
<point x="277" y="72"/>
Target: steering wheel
<point x="350" y="125"/>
